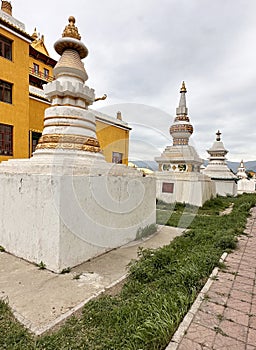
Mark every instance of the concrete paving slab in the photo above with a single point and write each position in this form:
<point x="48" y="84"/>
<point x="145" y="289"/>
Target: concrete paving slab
<point x="41" y="299"/>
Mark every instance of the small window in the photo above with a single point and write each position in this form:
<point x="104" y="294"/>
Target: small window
<point x="36" y="68"/>
<point x="5" y="92"/>
<point x="46" y="73"/>
<point x="6" y="137"/>
<point x="35" y="138"/>
<point x="5" y="48"/>
<point x="117" y="157"/>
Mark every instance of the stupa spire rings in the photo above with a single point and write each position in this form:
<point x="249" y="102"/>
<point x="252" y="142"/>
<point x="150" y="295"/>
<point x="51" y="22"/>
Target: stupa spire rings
<point x="181" y="129"/>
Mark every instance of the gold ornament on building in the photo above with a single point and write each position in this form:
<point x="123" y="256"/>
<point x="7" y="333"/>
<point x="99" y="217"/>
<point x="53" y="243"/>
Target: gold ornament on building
<point x="6" y="6"/>
<point x="71" y="30"/>
<point x="35" y="35"/>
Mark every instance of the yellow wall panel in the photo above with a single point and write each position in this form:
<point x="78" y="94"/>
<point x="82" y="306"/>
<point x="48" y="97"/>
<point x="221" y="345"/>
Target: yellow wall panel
<point x="113" y="139"/>
<point x="16" y="114"/>
<point x="36" y="114"/>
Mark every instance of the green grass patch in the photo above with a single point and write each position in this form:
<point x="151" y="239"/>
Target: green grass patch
<point x="160" y="288"/>
<point x="146" y="231"/>
<point x="12" y="334"/>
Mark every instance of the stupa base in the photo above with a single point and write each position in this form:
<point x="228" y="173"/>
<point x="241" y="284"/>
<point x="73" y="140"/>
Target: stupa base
<point x="64" y="215"/>
<point x="190" y="188"/>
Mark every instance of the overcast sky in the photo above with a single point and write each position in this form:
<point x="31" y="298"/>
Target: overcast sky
<point x="141" y="50"/>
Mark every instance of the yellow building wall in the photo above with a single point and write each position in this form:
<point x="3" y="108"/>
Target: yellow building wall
<point x="36" y="114"/>
<point x="113" y="139"/>
<point x="16" y="114"/>
<point x="41" y="65"/>
<point x="36" y="118"/>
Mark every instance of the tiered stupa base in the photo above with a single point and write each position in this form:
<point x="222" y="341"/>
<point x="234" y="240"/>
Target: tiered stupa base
<point x="224" y="179"/>
<point x="190" y="188"/>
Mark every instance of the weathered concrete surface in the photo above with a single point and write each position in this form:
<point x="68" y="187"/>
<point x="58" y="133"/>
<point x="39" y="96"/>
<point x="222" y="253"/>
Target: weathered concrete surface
<point x="67" y="219"/>
<point x="41" y="299"/>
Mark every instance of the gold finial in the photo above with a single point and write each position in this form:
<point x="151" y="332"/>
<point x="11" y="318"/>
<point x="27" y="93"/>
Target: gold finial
<point x="6" y="6"/>
<point x="34" y="35"/>
<point x="183" y="87"/>
<point x="71" y="30"/>
<point x="101" y="98"/>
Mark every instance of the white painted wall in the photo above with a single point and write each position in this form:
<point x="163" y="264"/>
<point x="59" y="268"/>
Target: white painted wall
<point x="227" y="187"/>
<point x="246" y="186"/>
<point x="191" y="188"/>
<point x="66" y="220"/>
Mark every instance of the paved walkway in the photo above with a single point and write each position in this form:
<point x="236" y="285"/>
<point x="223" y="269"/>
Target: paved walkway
<point x="41" y="299"/>
<point x="226" y="318"/>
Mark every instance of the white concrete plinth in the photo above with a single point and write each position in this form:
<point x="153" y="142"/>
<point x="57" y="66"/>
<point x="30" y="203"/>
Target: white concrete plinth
<point x="191" y="188"/>
<point x="246" y="186"/>
<point x="225" y="187"/>
<point x="64" y="220"/>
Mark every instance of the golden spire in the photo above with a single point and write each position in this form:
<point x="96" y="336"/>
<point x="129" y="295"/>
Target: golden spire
<point x="183" y="87"/>
<point x="71" y="30"/>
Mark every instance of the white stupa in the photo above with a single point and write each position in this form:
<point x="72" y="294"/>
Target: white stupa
<point x="66" y="204"/>
<point x="244" y="185"/>
<point x="179" y="178"/>
<point x="241" y="171"/>
<point x="218" y="170"/>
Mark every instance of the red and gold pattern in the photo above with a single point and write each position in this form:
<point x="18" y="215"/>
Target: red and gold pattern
<point x="71" y="142"/>
<point x="181" y="128"/>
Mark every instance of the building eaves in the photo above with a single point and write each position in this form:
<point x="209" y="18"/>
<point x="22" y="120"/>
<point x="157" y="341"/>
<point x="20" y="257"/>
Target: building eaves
<point x="17" y="30"/>
<point x="110" y="120"/>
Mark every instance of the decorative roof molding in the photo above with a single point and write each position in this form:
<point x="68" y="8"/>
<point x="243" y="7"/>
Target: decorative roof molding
<point x="13" y="21"/>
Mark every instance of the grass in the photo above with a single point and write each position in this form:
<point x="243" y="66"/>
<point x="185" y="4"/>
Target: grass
<point x="41" y="265"/>
<point x="12" y="334"/>
<point x="146" y="231"/>
<point x="159" y="291"/>
<point x="181" y="214"/>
